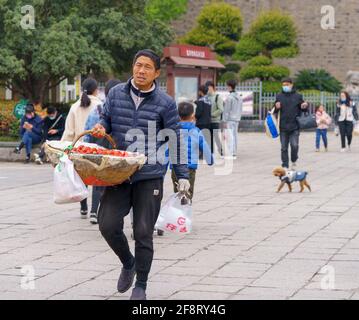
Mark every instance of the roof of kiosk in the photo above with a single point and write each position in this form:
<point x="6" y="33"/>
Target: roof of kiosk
<point x="192" y="56"/>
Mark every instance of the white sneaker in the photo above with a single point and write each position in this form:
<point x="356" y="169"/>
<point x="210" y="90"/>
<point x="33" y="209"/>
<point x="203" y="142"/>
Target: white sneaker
<point x="83" y="214"/>
<point x="38" y="159"/>
<point x="294" y="166"/>
<point x="93" y="218"/>
<point x="343" y="150"/>
<point x="349" y="149"/>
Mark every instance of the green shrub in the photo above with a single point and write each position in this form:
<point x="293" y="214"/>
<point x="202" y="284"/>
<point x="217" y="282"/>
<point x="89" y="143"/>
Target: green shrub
<point x="271" y="86"/>
<point x="285" y="52"/>
<point x="247" y="48"/>
<point x="229" y="75"/>
<point x="260" y="61"/>
<point x="165" y="10"/>
<point x="314" y="79"/>
<point x="272" y="72"/>
<point x="274" y="29"/>
<point x="9" y="125"/>
<point x="219" y="26"/>
<point x="234" y="67"/>
<point x="227" y="47"/>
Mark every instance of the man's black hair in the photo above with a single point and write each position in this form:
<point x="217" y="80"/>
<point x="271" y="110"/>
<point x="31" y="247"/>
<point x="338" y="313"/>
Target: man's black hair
<point x="110" y="84"/>
<point x="185" y="110"/>
<point x="203" y="89"/>
<point x="210" y="84"/>
<point x="51" y="110"/>
<point x="29" y="108"/>
<point x="232" y="83"/>
<point x="149" y="54"/>
<point x="289" y="80"/>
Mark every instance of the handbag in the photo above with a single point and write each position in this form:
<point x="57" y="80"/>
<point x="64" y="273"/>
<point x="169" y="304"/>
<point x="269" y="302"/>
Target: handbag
<point x="307" y="121"/>
<point x="272" y="124"/>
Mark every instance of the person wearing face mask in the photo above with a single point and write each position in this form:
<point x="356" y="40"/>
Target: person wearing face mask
<point x="289" y="104"/>
<point x="30" y="131"/>
<point x="53" y="128"/>
<point x="346" y="113"/>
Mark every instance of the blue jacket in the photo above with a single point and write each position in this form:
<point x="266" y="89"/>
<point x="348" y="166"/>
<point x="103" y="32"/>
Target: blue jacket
<point x="92" y="120"/>
<point x="195" y="142"/>
<point x="157" y="110"/>
<point x="37" y="123"/>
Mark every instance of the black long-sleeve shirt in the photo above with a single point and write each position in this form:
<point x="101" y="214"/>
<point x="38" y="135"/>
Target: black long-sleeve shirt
<point x="60" y="127"/>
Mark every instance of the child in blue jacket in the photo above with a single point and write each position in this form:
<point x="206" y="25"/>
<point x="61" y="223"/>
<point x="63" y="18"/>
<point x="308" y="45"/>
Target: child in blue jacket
<point x="195" y="143"/>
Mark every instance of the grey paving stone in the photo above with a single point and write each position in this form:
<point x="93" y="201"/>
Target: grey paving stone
<point x="247" y="242"/>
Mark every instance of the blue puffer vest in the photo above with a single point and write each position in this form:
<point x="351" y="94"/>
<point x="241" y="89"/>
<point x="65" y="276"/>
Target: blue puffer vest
<point x="120" y="115"/>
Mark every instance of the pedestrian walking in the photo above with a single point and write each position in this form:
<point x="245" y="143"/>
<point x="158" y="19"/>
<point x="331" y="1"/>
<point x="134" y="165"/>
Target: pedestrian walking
<point x="195" y="142"/>
<point x="92" y="120"/>
<point x="346" y="114"/>
<point x="323" y="120"/>
<point x="231" y="116"/>
<point x="216" y="116"/>
<point x="77" y="117"/>
<point x="136" y="105"/>
<point x="288" y="105"/>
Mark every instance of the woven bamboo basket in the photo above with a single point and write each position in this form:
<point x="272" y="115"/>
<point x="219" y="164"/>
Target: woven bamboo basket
<point x="99" y="170"/>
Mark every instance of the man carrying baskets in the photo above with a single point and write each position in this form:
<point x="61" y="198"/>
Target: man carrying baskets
<point x="129" y="106"/>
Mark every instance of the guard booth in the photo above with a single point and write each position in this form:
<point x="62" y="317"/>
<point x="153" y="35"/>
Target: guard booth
<point x="188" y="67"/>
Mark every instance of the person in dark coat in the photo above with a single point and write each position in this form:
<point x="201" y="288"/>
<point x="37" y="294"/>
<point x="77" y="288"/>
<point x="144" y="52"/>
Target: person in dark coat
<point x="53" y="128"/>
<point x="136" y="113"/>
<point x="30" y="131"/>
<point x="289" y="105"/>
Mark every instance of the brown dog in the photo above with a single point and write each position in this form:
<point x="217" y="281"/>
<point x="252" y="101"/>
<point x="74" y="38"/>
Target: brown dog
<point x="287" y="177"/>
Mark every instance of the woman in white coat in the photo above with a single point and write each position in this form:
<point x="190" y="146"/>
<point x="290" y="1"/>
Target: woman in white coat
<point x="346" y="114"/>
<point x="77" y="117"/>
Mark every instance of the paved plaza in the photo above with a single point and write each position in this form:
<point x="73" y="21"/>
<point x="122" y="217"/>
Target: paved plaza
<point x="248" y="242"/>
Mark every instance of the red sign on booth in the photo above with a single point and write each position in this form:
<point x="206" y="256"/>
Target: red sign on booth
<point x="195" y="52"/>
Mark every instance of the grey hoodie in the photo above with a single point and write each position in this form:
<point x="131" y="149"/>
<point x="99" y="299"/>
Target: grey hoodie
<point x="233" y="107"/>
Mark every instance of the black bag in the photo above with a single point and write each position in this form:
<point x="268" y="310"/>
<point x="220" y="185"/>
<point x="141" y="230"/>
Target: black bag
<point x="307" y="121"/>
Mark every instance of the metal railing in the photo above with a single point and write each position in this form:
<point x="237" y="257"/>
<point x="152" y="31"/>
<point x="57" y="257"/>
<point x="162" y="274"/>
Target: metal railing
<point x="264" y="101"/>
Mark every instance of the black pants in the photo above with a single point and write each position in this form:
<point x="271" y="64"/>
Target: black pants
<point x="289" y="138"/>
<point x="207" y="133"/>
<point x="145" y="198"/>
<point x="346" y="132"/>
<point x="96" y="196"/>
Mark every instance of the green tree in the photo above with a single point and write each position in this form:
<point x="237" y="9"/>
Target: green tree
<point x="264" y="72"/>
<point x="274" y="29"/>
<point x="219" y="26"/>
<point x="165" y="10"/>
<point x="314" y="79"/>
<point x="271" y="35"/>
<point x="72" y="37"/>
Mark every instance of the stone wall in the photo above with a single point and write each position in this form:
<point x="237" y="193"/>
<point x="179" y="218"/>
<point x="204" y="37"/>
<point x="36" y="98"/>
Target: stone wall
<point x="334" y="50"/>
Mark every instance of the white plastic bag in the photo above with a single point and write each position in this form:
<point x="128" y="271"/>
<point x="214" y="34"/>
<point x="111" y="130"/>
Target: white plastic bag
<point x="68" y="186"/>
<point x="176" y="215"/>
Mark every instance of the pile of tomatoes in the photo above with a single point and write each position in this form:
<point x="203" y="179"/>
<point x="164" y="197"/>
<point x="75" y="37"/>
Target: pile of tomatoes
<point x="105" y="152"/>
